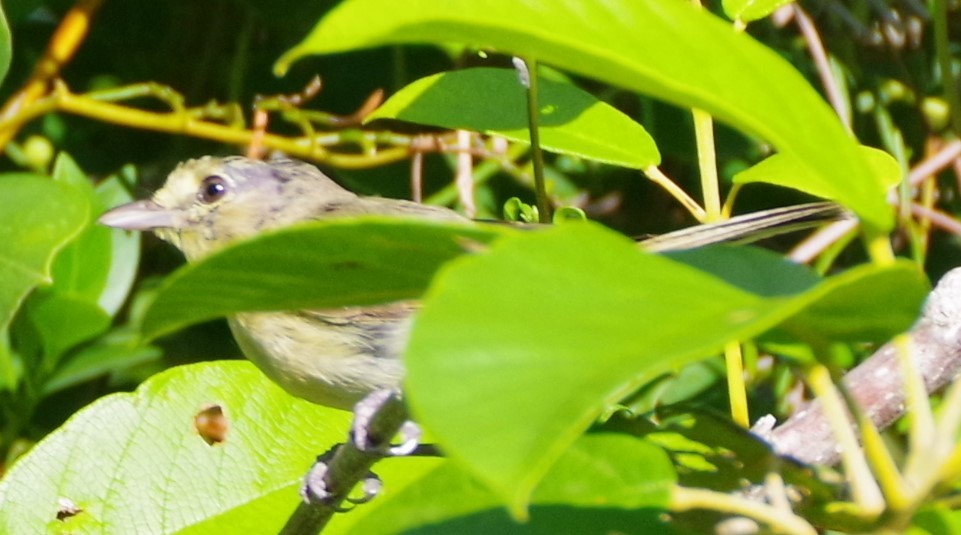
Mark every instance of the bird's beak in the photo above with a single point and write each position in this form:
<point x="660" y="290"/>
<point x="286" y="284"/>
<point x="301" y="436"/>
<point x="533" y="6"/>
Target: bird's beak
<point x="140" y="215"/>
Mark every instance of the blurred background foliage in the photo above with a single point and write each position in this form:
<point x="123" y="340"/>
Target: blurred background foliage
<point x="224" y="50"/>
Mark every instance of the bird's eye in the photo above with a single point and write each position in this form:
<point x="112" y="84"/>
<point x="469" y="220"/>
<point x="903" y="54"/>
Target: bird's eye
<point x="212" y="189"/>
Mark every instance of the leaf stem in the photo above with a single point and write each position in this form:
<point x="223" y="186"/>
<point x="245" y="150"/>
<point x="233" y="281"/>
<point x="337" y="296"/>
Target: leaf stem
<point x="707" y="156"/>
<point x="675" y="191"/>
<point x="736" y="389"/>
<point x="864" y="489"/>
<point x="779" y="521"/>
<point x="707" y="164"/>
<point x="527" y="68"/>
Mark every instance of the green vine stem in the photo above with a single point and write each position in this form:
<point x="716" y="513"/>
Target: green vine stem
<point x="527" y="69"/>
<point x="776" y="519"/>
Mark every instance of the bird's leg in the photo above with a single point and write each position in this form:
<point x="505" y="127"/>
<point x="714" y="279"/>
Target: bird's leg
<point x="377" y="419"/>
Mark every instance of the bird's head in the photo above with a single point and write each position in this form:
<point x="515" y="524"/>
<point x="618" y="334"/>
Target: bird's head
<point x="209" y="202"/>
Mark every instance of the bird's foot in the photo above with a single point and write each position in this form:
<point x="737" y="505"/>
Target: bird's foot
<point x="370" y="440"/>
<point x="364" y="412"/>
<point x="316" y="490"/>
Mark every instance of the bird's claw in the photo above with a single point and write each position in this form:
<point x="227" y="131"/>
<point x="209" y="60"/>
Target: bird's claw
<point x="315" y="489"/>
<point x="371" y="488"/>
<point x="365" y="409"/>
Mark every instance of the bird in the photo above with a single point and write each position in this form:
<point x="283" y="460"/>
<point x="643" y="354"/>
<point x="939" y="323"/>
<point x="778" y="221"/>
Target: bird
<point x="336" y="357"/>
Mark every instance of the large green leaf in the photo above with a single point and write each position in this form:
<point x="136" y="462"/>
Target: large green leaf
<point x="666" y="49"/>
<point x="134" y="463"/>
<point x="788" y="171"/>
<point x="605" y="483"/>
<point x="850" y="307"/>
<point x="518" y="350"/>
<point x="315" y="265"/>
<point x="750" y="268"/>
<point x="38" y="217"/>
<point x="492" y="101"/>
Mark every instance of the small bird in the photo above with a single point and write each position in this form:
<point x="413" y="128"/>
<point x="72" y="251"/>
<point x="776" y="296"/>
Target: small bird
<point x="335" y="357"/>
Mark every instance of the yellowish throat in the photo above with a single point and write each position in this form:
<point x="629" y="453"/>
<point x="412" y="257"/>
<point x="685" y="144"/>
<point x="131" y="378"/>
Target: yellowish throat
<point x="333" y="357"/>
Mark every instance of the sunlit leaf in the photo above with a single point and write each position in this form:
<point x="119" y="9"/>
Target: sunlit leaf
<point x="786" y="170"/>
<point x="669" y="50"/>
<point x="492" y="101"/>
<point x="551" y="327"/>
<point x="315" y="265"/>
<point x="39" y="217"/>
<point x="136" y="462"/>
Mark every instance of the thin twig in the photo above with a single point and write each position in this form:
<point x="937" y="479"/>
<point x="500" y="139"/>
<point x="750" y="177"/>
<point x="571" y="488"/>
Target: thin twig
<point x="819" y="56"/>
<point x="60" y="50"/>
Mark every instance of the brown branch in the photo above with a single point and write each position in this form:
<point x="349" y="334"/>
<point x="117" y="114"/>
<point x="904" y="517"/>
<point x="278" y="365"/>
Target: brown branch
<point x="877" y="385"/>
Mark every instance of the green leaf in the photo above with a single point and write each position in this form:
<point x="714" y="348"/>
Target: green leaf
<point x="605" y="483"/>
<point x="492" y="101"/>
<point x="575" y="318"/>
<point x="854" y="306"/>
<point x="786" y="170"/>
<point x="100" y="265"/>
<point x="748" y="10"/>
<point x="850" y="308"/>
<point x="115" y="351"/>
<point x="124" y="247"/>
<point x="669" y="50"/>
<point x="134" y="463"/>
<point x="750" y="268"/>
<point x="39" y="217"/>
<point x="6" y="45"/>
<point x="314" y="265"/>
<point x="64" y="321"/>
<point x="935" y="519"/>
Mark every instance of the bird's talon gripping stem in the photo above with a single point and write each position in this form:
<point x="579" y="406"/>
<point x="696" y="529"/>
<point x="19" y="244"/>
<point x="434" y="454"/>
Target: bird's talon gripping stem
<point x="315" y="489"/>
<point x="370" y="487"/>
<point x="365" y="409"/>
